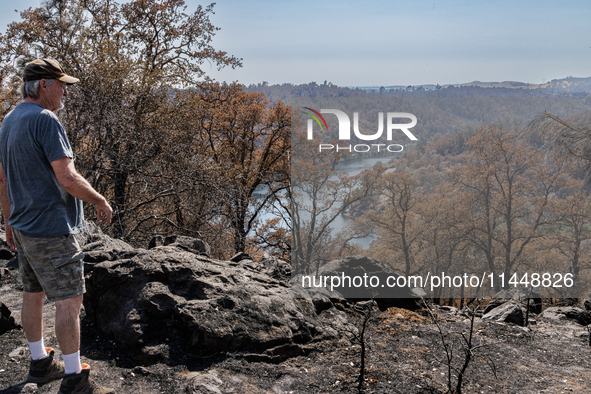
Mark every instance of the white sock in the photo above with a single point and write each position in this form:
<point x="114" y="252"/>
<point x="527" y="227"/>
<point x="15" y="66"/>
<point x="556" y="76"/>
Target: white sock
<point x="72" y="362"/>
<point x="37" y="349"/>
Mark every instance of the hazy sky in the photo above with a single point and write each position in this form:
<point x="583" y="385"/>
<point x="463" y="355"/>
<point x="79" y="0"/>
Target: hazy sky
<point x="389" y="42"/>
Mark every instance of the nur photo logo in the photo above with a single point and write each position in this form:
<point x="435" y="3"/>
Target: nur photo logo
<point x="393" y="126"/>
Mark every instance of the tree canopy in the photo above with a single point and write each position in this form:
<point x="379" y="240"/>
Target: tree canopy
<point x="172" y="150"/>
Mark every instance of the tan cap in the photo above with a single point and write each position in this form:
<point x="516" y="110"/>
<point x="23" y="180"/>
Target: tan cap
<point x="46" y="69"/>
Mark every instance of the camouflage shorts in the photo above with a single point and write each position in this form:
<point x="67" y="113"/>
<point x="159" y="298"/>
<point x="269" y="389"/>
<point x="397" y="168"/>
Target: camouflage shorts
<point x="53" y="265"/>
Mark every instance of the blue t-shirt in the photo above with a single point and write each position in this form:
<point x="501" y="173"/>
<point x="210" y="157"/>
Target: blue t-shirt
<point x="31" y="137"/>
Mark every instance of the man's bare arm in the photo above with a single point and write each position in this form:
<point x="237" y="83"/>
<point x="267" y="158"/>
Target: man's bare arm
<point x="6" y="208"/>
<point x="77" y="186"/>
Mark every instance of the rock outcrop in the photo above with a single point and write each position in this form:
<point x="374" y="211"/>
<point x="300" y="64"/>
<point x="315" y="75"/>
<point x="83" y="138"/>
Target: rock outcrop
<point x="579" y="315"/>
<point x="185" y="243"/>
<point x="172" y="300"/>
<point x="362" y="267"/>
<point x="98" y="247"/>
<point x="508" y="312"/>
<point x="519" y="295"/>
<point x="7" y="322"/>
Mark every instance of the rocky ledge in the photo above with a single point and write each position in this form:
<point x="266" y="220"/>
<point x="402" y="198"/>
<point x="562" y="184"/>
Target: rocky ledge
<point x="172" y="298"/>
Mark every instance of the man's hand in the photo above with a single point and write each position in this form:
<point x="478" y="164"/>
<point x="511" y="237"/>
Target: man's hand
<point x="9" y="238"/>
<point x="104" y="212"/>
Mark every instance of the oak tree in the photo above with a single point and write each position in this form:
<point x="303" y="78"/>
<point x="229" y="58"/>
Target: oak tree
<point x="130" y="59"/>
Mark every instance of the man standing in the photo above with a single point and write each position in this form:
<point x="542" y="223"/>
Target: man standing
<point x="40" y="196"/>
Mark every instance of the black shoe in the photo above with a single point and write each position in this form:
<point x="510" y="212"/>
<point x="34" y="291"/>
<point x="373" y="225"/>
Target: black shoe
<point x="45" y="369"/>
<point x="80" y="383"/>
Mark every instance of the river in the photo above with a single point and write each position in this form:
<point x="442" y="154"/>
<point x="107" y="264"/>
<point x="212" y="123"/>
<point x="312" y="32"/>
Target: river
<point x="354" y="168"/>
<point x="351" y="168"/>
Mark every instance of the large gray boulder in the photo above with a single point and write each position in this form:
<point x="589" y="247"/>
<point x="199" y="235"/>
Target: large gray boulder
<point x="509" y="312"/>
<point x="519" y="295"/>
<point x="366" y="268"/>
<point x="98" y="247"/>
<point x="579" y="315"/>
<point x="166" y="302"/>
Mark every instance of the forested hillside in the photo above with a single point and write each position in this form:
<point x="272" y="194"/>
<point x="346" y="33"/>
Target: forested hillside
<point x="494" y="186"/>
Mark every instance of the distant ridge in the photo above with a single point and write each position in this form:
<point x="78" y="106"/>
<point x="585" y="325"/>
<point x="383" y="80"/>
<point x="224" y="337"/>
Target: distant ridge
<point x="565" y="87"/>
<point x="564" y="84"/>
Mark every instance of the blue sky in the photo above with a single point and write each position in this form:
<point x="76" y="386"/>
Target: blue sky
<point x="378" y="42"/>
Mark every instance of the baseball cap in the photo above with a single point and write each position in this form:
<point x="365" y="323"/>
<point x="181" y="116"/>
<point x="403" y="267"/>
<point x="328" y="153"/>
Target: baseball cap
<point x="46" y="69"/>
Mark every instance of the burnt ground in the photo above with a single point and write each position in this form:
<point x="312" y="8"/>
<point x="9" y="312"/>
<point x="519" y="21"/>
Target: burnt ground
<point x="405" y="355"/>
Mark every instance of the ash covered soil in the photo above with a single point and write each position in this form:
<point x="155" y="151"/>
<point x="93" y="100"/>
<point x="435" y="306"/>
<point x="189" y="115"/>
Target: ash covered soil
<point x="405" y="355"/>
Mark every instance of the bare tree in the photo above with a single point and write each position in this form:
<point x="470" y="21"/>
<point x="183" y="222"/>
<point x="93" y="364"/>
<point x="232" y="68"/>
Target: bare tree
<point x="563" y="137"/>
<point x="319" y="195"/>
<point x="509" y="187"/>
<point x="467" y="347"/>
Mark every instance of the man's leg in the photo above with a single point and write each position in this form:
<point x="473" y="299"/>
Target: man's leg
<point x="43" y="367"/>
<point x="67" y="329"/>
<point x="32" y="315"/>
<point x="32" y="320"/>
<point x="33" y="295"/>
